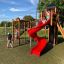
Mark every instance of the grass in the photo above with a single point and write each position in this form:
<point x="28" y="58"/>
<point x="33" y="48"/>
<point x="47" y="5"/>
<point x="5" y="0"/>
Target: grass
<point x="21" y="54"/>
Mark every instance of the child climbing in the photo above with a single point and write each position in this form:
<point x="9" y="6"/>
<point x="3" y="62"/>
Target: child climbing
<point x="47" y="14"/>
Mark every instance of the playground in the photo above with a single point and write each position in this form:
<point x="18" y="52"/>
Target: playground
<point x="32" y="42"/>
<point x="21" y="54"/>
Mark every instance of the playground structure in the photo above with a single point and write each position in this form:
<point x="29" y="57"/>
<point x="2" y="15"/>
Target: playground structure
<point x="54" y="26"/>
<point x="19" y="27"/>
<point x="52" y="32"/>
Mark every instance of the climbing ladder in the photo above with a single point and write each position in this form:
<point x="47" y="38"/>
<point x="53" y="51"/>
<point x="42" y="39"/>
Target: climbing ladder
<point x="60" y="29"/>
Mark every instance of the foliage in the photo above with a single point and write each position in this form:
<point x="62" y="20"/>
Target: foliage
<point x="41" y="6"/>
<point x="3" y="23"/>
<point x="8" y="23"/>
<point x="44" y="3"/>
<point x="28" y="18"/>
<point x="58" y="3"/>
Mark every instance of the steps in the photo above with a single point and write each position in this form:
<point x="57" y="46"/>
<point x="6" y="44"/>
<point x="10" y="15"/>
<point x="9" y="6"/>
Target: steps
<point x="60" y="29"/>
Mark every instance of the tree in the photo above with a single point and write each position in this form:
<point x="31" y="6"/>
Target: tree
<point x="8" y="23"/>
<point x="44" y="3"/>
<point x="3" y="23"/>
<point x="58" y="3"/>
<point x="28" y="18"/>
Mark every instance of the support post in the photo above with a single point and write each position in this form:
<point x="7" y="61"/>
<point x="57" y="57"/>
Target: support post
<point x="5" y="29"/>
<point x="51" y="29"/>
<point x="25" y="32"/>
<point x="13" y="30"/>
<point x="30" y="37"/>
<point x="19" y="30"/>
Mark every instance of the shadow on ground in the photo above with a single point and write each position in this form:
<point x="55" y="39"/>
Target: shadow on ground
<point x="48" y="47"/>
<point x="60" y="40"/>
<point x="21" y="43"/>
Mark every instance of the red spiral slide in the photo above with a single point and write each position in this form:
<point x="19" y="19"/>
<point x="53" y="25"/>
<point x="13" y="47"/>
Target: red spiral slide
<point x="41" y="42"/>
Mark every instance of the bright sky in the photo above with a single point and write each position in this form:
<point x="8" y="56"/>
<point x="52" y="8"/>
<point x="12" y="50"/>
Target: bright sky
<point x="10" y="9"/>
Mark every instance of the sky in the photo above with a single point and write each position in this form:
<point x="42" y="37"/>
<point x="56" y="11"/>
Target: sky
<point x="10" y="9"/>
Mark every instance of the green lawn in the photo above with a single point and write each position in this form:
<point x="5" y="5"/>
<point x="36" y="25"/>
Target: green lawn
<point x="21" y="54"/>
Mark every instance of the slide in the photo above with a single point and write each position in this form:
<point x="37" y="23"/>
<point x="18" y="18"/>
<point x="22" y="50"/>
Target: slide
<point x="41" y="42"/>
<point x="60" y="29"/>
<point x="39" y="47"/>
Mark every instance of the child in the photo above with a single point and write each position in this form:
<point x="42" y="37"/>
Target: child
<point x="44" y="20"/>
<point x="9" y="40"/>
<point x="47" y="15"/>
<point x="42" y="17"/>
